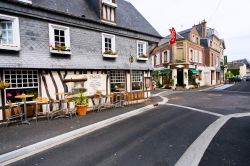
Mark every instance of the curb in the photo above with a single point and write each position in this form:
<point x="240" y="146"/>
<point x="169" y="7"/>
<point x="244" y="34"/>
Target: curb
<point x="30" y="150"/>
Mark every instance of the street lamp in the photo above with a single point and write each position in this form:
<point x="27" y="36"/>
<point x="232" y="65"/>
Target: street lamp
<point x="131" y="60"/>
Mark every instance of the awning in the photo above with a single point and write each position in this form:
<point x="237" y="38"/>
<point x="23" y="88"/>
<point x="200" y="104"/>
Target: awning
<point x="194" y="71"/>
<point x="155" y="73"/>
<point x="165" y="71"/>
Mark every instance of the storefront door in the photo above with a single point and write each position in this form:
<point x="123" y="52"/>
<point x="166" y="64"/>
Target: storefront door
<point x="180" y="77"/>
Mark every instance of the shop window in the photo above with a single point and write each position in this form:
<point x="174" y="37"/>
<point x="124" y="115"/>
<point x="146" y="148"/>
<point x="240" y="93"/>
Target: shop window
<point x="117" y="80"/>
<point x="21" y="81"/>
<point x="137" y="80"/>
<point x="9" y="33"/>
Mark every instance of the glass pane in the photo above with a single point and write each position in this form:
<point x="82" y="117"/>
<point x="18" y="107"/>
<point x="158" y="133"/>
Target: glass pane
<point x="56" y="39"/>
<point x="9" y="25"/>
<point x="56" y="32"/>
<point x="62" y="39"/>
<point x="61" y="33"/>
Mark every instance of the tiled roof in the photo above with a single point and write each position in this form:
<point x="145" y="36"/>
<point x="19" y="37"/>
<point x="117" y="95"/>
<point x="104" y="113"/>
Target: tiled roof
<point x="127" y="15"/>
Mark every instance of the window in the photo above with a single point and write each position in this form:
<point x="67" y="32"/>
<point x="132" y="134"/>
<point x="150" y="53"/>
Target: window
<point x="137" y="80"/>
<point x="141" y="49"/>
<point x="158" y="59"/>
<point x="191" y="55"/>
<point x="196" y="56"/>
<point x="59" y="39"/>
<point x="108" y="11"/>
<point x="21" y="81"/>
<point x="117" y="80"/>
<point x="108" y="44"/>
<point x="9" y="33"/>
<point x="200" y="56"/>
<point x="166" y="56"/>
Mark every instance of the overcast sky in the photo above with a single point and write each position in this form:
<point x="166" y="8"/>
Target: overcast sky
<point x="229" y="17"/>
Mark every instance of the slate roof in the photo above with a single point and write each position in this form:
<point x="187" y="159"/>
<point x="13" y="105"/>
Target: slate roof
<point x="127" y="15"/>
<point x="185" y="33"/>
<point x="244" y="61"/>
<point x="167" y="38"/>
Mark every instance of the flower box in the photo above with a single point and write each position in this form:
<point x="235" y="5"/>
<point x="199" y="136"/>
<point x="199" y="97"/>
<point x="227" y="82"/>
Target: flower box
<point x="110" y="54"/>
<point x="59" y="49"/>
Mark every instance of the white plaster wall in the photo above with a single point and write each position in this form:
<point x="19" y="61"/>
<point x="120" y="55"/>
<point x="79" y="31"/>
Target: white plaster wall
<point x="185" y="77"/>
<point x="174" y="76"/>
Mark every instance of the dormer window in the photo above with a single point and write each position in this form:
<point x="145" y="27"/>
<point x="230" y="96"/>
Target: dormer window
<point x="108" y="12"/>
<point x="26" y="1"/>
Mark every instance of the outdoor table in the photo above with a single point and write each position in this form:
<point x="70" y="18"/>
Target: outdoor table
<point x="24" y="97"/>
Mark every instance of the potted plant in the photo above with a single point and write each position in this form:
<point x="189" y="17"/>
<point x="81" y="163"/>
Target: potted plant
<point x="81" y="104"/>
<point x="4" y="85"/>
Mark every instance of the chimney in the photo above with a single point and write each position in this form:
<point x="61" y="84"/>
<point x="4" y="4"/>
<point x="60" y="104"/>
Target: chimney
<point x="204" y="28"/>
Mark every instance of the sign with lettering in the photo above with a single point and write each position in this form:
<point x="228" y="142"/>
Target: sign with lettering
<point x="95" y="82"/>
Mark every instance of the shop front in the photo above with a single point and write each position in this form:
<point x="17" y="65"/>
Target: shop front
<point x="48" y="83"/>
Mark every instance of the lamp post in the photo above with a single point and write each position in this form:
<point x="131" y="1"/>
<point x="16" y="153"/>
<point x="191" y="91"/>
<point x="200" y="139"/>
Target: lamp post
<point x="131" y="60"/>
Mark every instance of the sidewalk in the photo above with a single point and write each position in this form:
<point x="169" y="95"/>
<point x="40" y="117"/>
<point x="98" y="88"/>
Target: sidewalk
<point x="19" y="136"/>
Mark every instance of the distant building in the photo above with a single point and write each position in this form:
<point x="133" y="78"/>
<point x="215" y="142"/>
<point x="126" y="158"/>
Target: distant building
<point x="239" y="67"/>
<point x="197" y="57"/>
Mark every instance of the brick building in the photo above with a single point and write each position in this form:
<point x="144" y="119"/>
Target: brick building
<point x="194" y="60"/>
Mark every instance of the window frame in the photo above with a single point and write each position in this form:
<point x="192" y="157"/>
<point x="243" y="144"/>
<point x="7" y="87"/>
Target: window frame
<point x="118" y="77"/>
<point x="113" y="45"/>
<point x="137" y="77"/>
<point x="26" y="1"/>
<point x="166" y="55"/>
<point x="144" y="50"/>
<point x="66" y="30"/>
<point x="157" y="59"/>
<point x="33" y="73"/>
<point x="15" y="46"/>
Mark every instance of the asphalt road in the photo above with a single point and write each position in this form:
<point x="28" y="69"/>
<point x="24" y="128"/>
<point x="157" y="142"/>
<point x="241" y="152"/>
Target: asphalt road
<point x="231" y="145"/>
<point x="241" y="87"/>
<point x="158" y="137"/>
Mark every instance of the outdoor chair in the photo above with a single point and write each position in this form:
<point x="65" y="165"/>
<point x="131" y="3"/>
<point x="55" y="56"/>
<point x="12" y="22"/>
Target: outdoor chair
<point x="54" y="106"/>
<point x="98" y="102"/>
<point x="14" y="112"/>
<point x="40" y="102"/>
<point x="71" y="108"/>
<point x="109" y="101"/>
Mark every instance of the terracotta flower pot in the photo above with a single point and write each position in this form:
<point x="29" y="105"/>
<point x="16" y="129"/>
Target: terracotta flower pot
<point x="81" y="109"/>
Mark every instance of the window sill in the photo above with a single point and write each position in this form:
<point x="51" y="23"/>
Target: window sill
<point x="10" y="47"/>
<point x="60" y="52"/>
<point x="109" y="56"/>
<point x="142" y="58"/>
<point x="110" y="4"/>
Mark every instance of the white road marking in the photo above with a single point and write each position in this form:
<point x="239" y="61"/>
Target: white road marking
<point x="196" y="109"/>
<point x="192" y="156"/>
<point x="237" y="92"/>
<point x="224" y="87"/>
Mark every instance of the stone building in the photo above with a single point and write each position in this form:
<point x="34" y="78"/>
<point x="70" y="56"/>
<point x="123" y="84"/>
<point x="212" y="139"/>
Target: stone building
<point x="44" y="41"/>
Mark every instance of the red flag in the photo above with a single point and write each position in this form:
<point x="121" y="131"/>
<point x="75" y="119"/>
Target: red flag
<point x="173" y="36"/>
